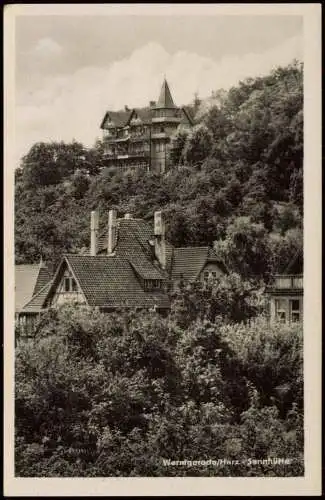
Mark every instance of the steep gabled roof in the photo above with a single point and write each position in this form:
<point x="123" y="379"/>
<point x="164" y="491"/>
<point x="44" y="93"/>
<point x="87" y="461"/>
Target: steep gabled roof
<point x="109" y="281"/>
<point x="43" y="278"/>
<point x="133" y="234"/>
<point x="165" y="98"/>
<point x="145" y="114"/>
<point x="25" y="281"/>
<point x="29" y="279"/>
<point x="133" y="244"/>
<point x="36" y="304"/>
<point x="188" y="262"/>
<point x="119" y="118"/>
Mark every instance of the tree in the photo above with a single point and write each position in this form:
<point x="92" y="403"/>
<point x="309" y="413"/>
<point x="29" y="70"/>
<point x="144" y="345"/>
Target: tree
<point x="116" y="395"/>
<point x="49" y="163"/>
<point x="227" y="296"/>
<point x="245" y="249"/>
<point x="198" y="145"/>
<point x="177" y="144"/>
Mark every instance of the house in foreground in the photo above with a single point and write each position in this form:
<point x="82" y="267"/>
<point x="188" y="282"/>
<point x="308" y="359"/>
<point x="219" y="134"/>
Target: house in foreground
<point x="286" y="293"/>
<point x="131" y="265"/>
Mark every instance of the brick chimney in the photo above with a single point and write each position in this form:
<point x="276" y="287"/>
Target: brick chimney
<point x="94" y="226"/>
<point x="112" y="231"/>
<point x="160" y="242"/>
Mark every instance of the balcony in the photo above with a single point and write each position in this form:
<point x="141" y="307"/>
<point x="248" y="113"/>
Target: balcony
<point x="139" y="137"/>
<point x="139" y="154"/>
<point x="126" y="155"/>
<point x="288" y="282"/>
<point x="159" y="135"/>
<point x="164" y="119"/>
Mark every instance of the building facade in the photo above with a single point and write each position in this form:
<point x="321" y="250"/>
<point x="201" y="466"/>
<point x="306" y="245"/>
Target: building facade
<point x="286" y="293"/>
<point x="140" y="137"/>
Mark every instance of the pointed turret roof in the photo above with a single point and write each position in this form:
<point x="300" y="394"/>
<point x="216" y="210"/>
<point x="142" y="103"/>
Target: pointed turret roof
<point x="165" y="99"/>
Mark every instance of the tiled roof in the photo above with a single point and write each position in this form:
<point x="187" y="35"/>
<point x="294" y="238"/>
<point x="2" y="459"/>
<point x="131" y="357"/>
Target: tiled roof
<point x="165" y="98"/>
<point x="132" y="235"/>
<point x="29" y="280"/>
<point x="43" y="278"/>
<point x="188" y="262"/>
<point x="37" y="302"/>
<point x="133" y="244"/>
<point x="25" y="281"/>
<point x="119" y="118"/>
<point x="110" y="281"/>
<point x="145" y="114"/>
<point x="145" y="269"/>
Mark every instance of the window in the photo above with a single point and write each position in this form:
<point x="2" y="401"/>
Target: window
<point x="295" y="310"/>
<point x="152" y="284"/>
<point x="281" y="310"/>
<point x="160" y="147"/>
<point x="70" y="285"/>
<point x="208" y="275"/>
<point x="67" y="284"/>
<point x="74" y="285"/>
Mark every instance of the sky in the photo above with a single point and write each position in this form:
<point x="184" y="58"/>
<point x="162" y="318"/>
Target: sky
<point x="71" y="69"/>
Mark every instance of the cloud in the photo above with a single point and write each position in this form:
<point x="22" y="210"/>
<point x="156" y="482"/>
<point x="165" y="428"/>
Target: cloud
<point x="71" y="106"/>
<point x="46" y="47"/>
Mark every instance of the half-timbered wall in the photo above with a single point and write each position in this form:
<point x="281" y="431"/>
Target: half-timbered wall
<point x="68" y="291"/>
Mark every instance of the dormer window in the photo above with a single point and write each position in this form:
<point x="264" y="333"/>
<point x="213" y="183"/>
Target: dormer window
<point x="152" y="284"/>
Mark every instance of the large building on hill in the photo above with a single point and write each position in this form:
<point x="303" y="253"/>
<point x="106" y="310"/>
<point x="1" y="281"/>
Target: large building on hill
<point x="130" y="265"/>
<point x="140" y="137"/>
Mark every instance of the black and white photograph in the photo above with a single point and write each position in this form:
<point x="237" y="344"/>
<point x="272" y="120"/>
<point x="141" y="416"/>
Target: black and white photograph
<point x="160" y="217"/>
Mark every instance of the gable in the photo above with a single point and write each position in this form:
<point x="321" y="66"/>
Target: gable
<point x="135" y="118"/>
<point x="188" y="262"/>
<point x="115" y="119"/>
<point x="65" y="287"/>
<point x="211" y="270"/>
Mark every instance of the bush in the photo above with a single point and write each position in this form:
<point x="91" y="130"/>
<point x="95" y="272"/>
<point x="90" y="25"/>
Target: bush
<point x="115" y="395"/>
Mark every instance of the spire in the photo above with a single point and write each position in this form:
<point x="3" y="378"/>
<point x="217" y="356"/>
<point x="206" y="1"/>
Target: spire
<point x="165" y="99"/>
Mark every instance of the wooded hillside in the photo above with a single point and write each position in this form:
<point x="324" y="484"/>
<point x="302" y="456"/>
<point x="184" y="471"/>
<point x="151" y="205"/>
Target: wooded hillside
<point x="236" y="182"/>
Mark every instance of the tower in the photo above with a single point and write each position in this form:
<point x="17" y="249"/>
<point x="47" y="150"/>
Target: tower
<point x="166" y="118"/>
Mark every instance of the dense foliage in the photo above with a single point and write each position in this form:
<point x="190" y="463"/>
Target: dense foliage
<point x="236" y="178"/>
<point x="117" y="395"/>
